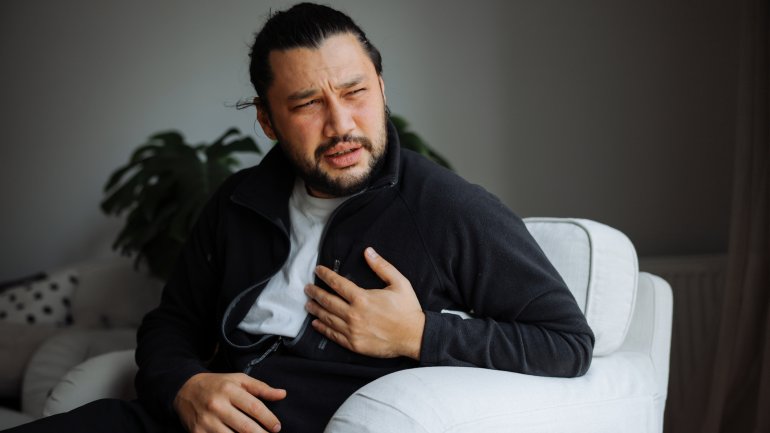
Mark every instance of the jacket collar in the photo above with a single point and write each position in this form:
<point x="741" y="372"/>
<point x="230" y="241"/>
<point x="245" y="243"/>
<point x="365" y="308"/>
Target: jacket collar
<point x="266" y="188"/>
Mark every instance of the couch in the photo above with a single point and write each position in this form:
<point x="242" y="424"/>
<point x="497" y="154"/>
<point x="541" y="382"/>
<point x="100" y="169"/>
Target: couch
<point x="624" y="390"/>
<point x="95" y="308"/>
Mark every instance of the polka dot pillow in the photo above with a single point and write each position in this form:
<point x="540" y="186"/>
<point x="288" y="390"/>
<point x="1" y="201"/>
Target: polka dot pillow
<point x="45" y="301"/>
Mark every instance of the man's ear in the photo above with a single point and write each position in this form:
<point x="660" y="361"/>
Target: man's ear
<point x="382" y="89"/>
<point x="263" y="117"/>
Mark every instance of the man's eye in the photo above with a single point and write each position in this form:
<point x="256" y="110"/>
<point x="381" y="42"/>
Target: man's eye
<point x="307" y="104"/>
<point x="357" y="91"/>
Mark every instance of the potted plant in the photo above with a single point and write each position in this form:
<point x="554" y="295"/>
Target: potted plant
<point x="163" y="188"/>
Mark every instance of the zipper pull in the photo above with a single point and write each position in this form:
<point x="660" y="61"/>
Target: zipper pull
<point x="324" y="340"/>
<point x="259" y="359"/>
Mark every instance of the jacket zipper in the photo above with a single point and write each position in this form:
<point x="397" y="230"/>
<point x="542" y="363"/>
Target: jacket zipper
<point x="324" y="340"/>
<point x="260" y="358"/>
<point x="335" y="268"/>
<point x="235" y="302"/>
<point x="243" y="293"/>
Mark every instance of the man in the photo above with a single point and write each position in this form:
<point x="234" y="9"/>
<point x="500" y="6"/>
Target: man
<point x="336" y="261"/>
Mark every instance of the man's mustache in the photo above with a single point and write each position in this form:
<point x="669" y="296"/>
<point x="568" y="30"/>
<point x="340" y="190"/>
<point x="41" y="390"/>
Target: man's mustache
<point x="325" y="146"/>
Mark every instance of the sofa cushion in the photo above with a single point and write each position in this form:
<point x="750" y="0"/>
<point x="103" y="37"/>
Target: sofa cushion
<point x="44" y="301"/>
<point x="599" y="265"/>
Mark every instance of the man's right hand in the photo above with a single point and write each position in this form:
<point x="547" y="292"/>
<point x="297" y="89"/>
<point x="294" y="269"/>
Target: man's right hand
<point x="226" y="402"/>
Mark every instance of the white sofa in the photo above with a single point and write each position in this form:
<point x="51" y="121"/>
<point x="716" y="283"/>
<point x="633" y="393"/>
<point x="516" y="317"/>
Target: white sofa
<point x="624" y="390"/>
<point x="107" y="304"/>
<point x="101" y="293"/>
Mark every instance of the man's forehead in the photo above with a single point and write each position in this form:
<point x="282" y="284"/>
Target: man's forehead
<point x="340" y="59"/>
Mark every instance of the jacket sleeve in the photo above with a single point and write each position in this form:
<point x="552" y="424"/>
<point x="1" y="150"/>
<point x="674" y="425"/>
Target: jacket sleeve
<point x="525" y="319"/>
<point x="176" y="338"/>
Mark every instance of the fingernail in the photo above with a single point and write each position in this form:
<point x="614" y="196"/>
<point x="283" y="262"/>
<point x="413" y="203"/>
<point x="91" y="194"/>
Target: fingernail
<point x="370" y="252"/>
<point x="277" y="428"/>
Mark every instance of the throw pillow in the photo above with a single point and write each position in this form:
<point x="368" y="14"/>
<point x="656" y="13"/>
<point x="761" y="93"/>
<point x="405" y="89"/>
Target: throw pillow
<point x="45" y="301"/>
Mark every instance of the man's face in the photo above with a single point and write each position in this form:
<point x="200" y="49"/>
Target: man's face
<point x="327" y="110"/>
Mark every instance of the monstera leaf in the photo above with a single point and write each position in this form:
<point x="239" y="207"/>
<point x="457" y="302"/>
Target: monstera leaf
<point x="163" y="188"/>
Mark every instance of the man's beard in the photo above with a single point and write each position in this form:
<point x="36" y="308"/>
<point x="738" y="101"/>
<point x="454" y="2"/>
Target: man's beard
<point x="316" y="179"/>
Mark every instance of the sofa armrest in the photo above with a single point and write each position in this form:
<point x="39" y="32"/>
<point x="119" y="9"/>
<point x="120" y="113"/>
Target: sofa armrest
<point x="18" y="343"/>
<point x="651" y="324"/>
<point x="60" y="353"/>
<point x="615" y="395"/>
<point x="650" y="331"/>
<point x="110" y="375"/>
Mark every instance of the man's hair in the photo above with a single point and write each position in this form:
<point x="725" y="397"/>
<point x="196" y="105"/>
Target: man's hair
<point x="305" y="25"/>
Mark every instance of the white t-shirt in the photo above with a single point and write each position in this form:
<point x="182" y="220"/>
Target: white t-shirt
<point x="280" y="308"/>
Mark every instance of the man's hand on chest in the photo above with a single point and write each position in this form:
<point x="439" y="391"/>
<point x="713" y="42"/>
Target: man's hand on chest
<point x="383" y="323"/>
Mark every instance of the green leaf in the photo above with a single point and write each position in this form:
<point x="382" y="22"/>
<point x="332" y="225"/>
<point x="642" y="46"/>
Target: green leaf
<point x="154" y="198"/>
<point x="171" y="138"/>
<point x="229" y="132"/>
<point x="118" y="174"/>
<point x="143" y="152"/>
<point x="245" y="144"/>
<point x="124" y="196"/>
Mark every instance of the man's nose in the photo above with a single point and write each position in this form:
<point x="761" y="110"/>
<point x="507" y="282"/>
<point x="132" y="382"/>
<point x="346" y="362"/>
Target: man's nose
<point x="339" y="120"/>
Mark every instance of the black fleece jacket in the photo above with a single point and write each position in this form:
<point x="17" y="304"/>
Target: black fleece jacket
<point x="458" y="245"/>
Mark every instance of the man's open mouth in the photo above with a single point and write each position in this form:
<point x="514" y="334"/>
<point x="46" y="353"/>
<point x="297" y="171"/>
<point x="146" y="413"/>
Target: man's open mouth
<point x="342" y="152"/>
<point x="343" y="156"/>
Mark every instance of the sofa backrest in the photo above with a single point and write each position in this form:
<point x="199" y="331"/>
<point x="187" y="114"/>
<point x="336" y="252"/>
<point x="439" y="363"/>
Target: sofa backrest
<point x="113" y="294"/>
<point x="599" y="265"/>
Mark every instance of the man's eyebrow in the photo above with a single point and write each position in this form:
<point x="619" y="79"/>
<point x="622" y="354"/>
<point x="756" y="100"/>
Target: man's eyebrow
<point x="351" y="82"/>
<point x="302" y="94"/>
<point x="306" y="93"/>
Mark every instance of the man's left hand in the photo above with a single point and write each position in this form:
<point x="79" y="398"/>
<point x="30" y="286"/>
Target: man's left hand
<point x="383" y="323"/>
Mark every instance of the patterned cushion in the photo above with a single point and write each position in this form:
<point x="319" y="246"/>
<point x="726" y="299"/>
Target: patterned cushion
<point x="44" y="301"/>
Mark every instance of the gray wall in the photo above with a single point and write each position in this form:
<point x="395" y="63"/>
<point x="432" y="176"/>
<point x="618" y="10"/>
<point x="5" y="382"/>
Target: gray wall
<point x="621" y="112"/>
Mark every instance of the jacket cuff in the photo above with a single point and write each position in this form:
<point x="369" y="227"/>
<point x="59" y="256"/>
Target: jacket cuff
<point x="160" y="400"/>
<point x="432" y="339"/>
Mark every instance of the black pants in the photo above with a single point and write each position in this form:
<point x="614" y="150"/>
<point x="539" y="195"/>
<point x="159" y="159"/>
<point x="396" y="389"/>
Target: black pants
<point x="102" y="416"/>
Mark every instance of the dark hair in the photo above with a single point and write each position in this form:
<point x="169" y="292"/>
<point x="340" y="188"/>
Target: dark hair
<point x="305" y="25"/>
